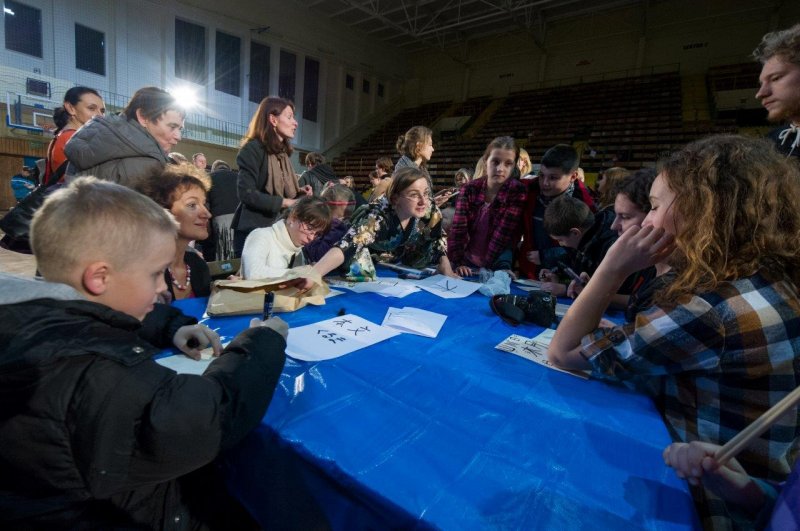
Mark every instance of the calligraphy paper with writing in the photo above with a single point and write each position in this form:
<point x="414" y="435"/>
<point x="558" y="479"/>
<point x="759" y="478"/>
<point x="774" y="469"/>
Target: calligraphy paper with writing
<point x="447" y="287"/>
<point x="334" y="337"/>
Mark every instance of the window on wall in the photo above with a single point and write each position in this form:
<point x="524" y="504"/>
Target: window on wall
<point x="190" y="52"/>
<point x="311" y="90"/>
<point x="259" y="72"/>
<point x="365" y="86"/>
<point x="227" y="71"/>
<point x="380" y="90"/>
<point x="23" y="25"/>
<point x="90" y="50"/>
<point x="287" y="75"/>
<point x="348" y="81"/>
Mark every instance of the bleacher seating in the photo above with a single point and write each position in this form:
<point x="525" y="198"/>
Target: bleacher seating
<point x="628" y="122"/>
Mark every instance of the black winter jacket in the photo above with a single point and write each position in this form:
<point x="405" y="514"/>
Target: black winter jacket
<point x="92" y="430"/>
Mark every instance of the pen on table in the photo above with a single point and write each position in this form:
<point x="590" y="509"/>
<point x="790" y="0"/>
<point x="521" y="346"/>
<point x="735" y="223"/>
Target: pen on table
<point x="269" y="300"/>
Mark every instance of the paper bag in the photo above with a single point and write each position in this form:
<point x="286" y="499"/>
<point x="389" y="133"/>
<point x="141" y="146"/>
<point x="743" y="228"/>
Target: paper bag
<point x="243" y="297"/>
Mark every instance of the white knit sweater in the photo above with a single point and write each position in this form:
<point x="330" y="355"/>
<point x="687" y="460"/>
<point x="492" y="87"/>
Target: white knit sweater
<point x="268" y="252"/>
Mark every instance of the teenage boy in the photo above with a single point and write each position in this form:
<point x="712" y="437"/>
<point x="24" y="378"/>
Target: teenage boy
<point x="94" y="433"/>
<point x="558" y="176"/>
<point x="587" y="237"/>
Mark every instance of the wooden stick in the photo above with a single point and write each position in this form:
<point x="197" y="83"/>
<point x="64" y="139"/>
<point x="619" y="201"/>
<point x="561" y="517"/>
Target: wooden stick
<point x="758" y="426"/>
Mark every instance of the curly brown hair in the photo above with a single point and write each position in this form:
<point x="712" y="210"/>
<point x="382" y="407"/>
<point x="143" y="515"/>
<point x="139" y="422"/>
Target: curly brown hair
<point x="737" y="213"/>
<point x="165" y="185"/>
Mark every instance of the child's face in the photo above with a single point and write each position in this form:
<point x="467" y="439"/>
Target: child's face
<point x="661" y="213"/>
<point x="628" y="214"/>
<point x="191" y="212"/>
<point x="133" y="288"/>
<point x="553" y="181"/>
<point x="570" y="240"/>
<point x="499" y="165"/>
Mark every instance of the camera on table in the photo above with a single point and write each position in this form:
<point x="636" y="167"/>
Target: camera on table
<point x="538" y="307"/>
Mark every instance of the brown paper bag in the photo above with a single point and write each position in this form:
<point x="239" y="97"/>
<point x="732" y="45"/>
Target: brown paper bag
<point x="244" y="297"/>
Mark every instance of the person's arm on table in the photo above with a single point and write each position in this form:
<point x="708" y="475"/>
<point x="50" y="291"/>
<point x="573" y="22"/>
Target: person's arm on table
<point x="636" y="249"/>
<point x="330" y="261"/>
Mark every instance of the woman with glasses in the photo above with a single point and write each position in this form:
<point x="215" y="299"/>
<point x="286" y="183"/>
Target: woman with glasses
<point x="270" y="251"/>
<point x="392" y="227"/>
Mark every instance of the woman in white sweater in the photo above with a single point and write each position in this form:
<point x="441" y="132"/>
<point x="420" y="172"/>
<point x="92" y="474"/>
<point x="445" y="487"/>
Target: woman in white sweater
<point x="269" y="252"/>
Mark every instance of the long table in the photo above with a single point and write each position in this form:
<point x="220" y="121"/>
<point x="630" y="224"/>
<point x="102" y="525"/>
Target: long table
<point x="451" y="433"/>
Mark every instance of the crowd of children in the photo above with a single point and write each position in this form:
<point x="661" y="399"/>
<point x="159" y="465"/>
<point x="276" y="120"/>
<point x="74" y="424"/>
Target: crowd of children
<point x="701" y="253"/>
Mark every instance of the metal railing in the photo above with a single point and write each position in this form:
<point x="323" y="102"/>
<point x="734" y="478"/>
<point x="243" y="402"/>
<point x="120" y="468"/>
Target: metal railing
<point x="33" y="113"/>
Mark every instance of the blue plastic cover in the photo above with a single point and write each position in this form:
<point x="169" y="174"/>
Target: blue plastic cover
<point x="451" y="433"/>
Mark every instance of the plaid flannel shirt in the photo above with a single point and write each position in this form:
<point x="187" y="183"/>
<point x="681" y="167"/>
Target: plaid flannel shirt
<point x="505" y="214"/>
<point x="714" y="364"/>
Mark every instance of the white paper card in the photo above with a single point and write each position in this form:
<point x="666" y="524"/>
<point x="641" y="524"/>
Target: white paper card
<point x="535" y="349"/>
<point x="334" y="337"/>
<point x="448" y="288"/>
<point x="527" y="284"/>
<point x="414" y="321"/>
<point x="387" y="287"/>
<point x="185" y="365"/>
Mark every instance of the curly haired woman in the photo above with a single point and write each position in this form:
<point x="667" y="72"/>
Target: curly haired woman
<point x="721" y="342"/>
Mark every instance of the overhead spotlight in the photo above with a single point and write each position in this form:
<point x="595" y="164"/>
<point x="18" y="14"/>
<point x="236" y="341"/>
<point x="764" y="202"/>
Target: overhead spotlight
<point x="186" y="96"/>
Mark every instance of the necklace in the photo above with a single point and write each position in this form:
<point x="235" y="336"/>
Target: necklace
<point x="175" y="280"/>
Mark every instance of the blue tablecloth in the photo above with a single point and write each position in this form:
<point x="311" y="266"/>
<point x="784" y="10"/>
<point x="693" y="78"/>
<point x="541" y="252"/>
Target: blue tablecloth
<point x="451" y="433"/>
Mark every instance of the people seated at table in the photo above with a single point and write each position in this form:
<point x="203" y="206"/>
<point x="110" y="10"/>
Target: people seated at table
<point x="587" y="236"/>
<point x="340" y="199"/>
<point x="558" y="175"/>
<point x="318" y="173"/>
<point x="488" y="213"/>
<point x="394" y="228"/>
<point x="125" y="147"/>
<point x="182" y="189"/>
<point x="719" y="345"/>
<point x="96" y="434"/>
<point x="755" y="503"/>
<point x="631" y="205"/>
<point x="269" y="252"/>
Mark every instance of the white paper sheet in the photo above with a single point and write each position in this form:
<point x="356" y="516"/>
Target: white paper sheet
<point x="414" y="321"/>
<point x="185" y="365"/>
<point x="528" y="284"/>
<point x="448" y="288"/>
<point x="535" y="349"/>
<point x="334" y="337"/>
<point x="387" y="287"/>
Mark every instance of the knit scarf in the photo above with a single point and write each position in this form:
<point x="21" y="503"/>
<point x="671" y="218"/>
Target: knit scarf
<point x="281" y="179"/>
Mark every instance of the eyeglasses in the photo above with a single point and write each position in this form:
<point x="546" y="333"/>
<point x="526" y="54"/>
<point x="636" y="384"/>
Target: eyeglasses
<point x="417" y="197"/>
<point x="308" y="231"/>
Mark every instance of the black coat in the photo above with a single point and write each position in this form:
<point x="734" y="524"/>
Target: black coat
<point x="317" y="177"/>
<point x="258" y="208"/>
<point x="92" y="430"/>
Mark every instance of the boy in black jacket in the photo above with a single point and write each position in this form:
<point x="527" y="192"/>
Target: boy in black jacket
<point x="571" y="223"/>
<point x="93" y="432"/>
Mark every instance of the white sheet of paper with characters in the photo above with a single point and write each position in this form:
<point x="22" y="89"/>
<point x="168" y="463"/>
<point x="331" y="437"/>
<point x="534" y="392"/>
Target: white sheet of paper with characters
<point x="334" y="337"/>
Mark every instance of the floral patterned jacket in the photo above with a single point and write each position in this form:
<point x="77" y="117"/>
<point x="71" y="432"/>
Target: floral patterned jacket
<point x="375" y="228"/>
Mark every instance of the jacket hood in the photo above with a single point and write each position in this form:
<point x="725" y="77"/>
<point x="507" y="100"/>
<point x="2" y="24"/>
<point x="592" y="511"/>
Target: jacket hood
<point x="106" y="138"/>
<point x="20" y="289"/>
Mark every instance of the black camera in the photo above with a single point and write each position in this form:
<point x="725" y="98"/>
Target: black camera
<point x="539" y="308"/>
